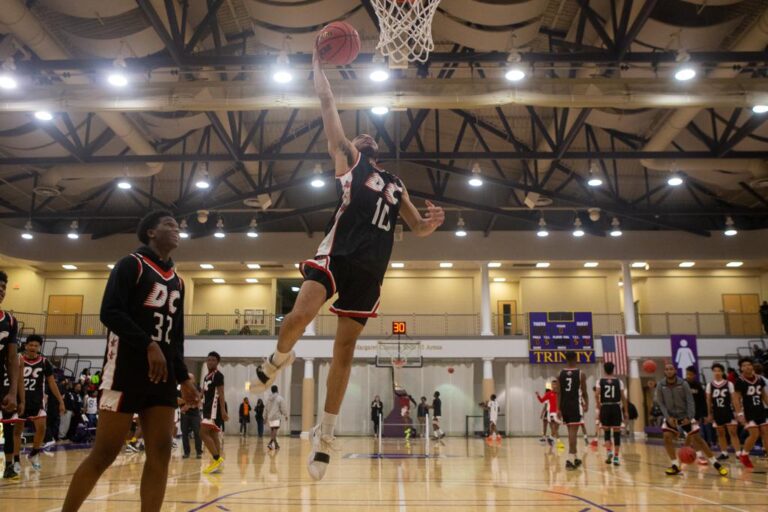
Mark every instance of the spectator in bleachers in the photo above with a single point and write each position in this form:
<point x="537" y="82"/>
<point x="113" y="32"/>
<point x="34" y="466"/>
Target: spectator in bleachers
<point x="92" y="408"/>
<point x="85" y="377"/>
<point x="73" y="401"/>
<point x="764" y="315"/>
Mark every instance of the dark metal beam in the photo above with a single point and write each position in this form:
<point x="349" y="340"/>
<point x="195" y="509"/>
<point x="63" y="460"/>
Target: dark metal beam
<point x="54" y="133"/>
<point x="625" y="41"/>
<point x="157" y="25"/>
<point x="752" y="124"/>
<point x="203" y="28"/>
<point x="597" y="23"/>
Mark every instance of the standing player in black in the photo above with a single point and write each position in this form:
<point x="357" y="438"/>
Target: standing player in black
<point x="9" y="378"/>
<point x="37" y="373"/>
<point x="143" y="309"/>
<point x="720" y="406"/>
<point x="611" y="400"/>
<point x="214" y="411"/>
<point x="351" y="261"/>
<point x="750" y="400"/>
<point x="573" y="388"/>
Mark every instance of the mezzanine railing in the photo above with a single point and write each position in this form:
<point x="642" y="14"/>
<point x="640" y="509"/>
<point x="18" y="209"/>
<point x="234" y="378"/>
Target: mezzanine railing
<point x="419" y="325"/>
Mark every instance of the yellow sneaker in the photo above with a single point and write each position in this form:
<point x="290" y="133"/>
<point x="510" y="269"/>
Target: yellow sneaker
<point x="721" y="469"/>
<point x="214" y="466"/>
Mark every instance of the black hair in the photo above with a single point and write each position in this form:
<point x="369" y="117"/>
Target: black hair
<point x="570" y="356"/>
<point x="150" y="221"/>
<point x="437" y="394"/>
<point x="424" y="398"/>
<point x="274" y="389"/>
<point x="493" y="397"/>
<point x="3" y="277"/>
<point x="745" y="360"/>
<point x="718" y="365"/>
<point x="609" y="367"/>
<point x="35" y="337"/>
<point x="692" y="369"/>
<point x="214" y="354"/>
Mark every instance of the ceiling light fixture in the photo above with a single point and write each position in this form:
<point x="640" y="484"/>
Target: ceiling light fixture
<point x="461" y="232"/>
<point x="282" y="73"/>
<point x="204" y="182"/>
<point x="542" y="232"/>
<point x="757" y="109"/>
<point x="594" y="180"/>
<point x="730" y="227"/>
<point x="675" y="179"/>
<point x="219" y="233"/>
<point x="515" y="72"/>
<point x="578" y="232"/>
<point x="8" y="82"/>
<point x="218" y="280"/>
<point x="542" y="264"/>
<point x="124" y="184"/>
<point x="27" y="234"/>
<point x="499" y="279"/>
<point x="476" y="179"/>
<point x="110" y="266"/>
<point x="615" y="228"/>
<point x="252" y="233"/>
<point x="687" y="264"/>
<point x="251" y="280"/>
<point x="398" y="264"/>
<point x="253" y="266"/>
<point x="685" y="71"/>
<point x="380" y="110"/>
<point x="67" y="266"/>
<point x="117" y="79"/>
<point x="73" y="227"/>
<point x="317" y="180"/>
<point x="183" y="233"/>
<point x="206" y="266"/>
<point x="591" y="264"/>
<point x="640" y="264"/>
<point x="734" y="264"/>
<point x="494" y="264"/>
<point x="43" y="115"/>
<point x="446" y="264"/>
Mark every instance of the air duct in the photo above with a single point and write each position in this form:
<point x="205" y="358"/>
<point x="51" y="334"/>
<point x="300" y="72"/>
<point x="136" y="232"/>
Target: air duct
<point x="48" y="185"/>
<point x="26" y="27"/>
<point x="754" y="40"/>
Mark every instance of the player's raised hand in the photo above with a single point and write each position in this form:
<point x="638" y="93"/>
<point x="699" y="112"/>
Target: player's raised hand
<point x="158" y="369"/>
<point x="435" y="215"/>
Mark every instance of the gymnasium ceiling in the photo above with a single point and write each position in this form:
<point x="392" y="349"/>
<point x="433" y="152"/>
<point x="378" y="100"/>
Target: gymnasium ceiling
<point x="599" y="95"/>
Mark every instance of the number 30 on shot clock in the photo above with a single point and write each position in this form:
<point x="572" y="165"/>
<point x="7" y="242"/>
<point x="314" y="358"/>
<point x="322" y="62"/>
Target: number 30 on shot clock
<point x="399" y="328"/>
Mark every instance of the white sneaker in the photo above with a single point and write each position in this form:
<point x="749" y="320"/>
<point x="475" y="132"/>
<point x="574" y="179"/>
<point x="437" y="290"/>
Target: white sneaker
<point x="320" y="456"/>
<point x="266" y="373"/>
<point x="17" y="467"/>
<point x="35" y="461"/>
<point x="49" y="444"/>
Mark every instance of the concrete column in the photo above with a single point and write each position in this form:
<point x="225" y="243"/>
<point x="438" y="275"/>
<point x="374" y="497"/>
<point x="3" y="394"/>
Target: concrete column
<point x="311" y="329"/>
<point x="636" y="395"/>
<point x="629" y="299"/>
<point x="485" y="302"/>
<point x="489" y="386"/>
<point x="308" y="399"/>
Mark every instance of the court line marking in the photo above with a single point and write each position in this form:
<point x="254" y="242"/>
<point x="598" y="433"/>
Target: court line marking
<point x="400" y="490"/>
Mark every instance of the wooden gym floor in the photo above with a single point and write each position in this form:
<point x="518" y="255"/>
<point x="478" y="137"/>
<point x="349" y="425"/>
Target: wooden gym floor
<point x="463" y="475"/>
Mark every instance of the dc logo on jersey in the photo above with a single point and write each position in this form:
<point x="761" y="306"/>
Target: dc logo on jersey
<point x="376" y="183"/>
<point x="717" y="392"/>
<point x="34" y="373"/>
<point x="158" y="297"/>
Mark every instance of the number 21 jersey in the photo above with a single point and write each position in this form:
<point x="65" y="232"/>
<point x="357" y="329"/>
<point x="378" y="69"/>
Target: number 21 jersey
<point x="362" y="228"/>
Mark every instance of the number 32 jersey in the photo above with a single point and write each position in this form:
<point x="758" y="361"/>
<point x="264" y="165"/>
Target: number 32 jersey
<point x="362" y="228"/>
<point x="143" y="302"/>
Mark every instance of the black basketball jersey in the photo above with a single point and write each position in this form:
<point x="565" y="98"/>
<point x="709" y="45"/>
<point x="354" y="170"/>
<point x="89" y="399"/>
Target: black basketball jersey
<point x="210" y="403"/>
<point x="36" y="373"/>
<point x="721" y="396"/>
<point x="751" y="395"/>
<point x="611" y="390"/>
<point x="362" y="228"/>
<point x="143" y="302"/>
<point x="8" y="332"/>
<point x="570" y="386"/>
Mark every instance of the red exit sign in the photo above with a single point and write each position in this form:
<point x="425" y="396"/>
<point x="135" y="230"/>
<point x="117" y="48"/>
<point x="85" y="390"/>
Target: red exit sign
<point x="399" y="328"/>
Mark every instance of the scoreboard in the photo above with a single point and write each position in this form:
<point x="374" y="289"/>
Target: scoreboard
<point x="551" y="334"/>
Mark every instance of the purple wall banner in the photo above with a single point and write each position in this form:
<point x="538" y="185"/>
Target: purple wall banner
<point x="684" y="352"/>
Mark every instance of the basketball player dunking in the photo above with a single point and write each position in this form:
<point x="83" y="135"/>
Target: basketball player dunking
<point x="9" y="379"/>
<point x="351" y="262"/>
<point x="143" y="308"/>
<point x="573" y="391"/>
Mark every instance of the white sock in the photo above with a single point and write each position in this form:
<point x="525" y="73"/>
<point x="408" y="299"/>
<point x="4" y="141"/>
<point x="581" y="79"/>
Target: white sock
<point x="676" y="462"/>
<point x="700" y="455"/>
<point x="278" y="358"/>
<point x="328" y="423"/>
<point x="712" y="460"/>
<point x="724" y="452"/>
<point x="572" y="457"/>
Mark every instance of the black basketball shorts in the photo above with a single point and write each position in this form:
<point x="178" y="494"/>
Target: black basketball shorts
<point x="571" y="414"/>
<point x="610" y="416"/>
<point x="723" y="417"/>
<point x="359" y="291"/>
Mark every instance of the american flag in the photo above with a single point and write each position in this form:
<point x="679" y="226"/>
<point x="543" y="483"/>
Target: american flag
<point x="615" y="351"/>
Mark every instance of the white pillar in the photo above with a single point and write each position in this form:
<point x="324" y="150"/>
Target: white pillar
<point x="636" y="396"/>
<point x="489" y="385"/>
<point x="629" y="299"/>
<point x="308" y="399"/>
<point x="485" y="302"/>
<point x="487" y="368"/>
<point x="311" y="329"/>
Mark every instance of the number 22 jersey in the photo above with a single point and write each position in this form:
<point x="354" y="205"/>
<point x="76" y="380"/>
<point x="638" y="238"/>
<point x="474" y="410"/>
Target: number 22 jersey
<point x="362" y="228"/>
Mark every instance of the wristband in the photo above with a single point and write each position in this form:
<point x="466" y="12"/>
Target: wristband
<point x="739" y="414"/>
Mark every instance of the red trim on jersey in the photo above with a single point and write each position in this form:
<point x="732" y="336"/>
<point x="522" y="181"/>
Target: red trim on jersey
<point x="753" y="381"/>
<point x="141" y="267"/>
<point x="2" y="315"/>
<point x="317" y="266"/>
<point x="39" y="358"/>
<point x="357" y="161"/>
<point x="165" y="274"/>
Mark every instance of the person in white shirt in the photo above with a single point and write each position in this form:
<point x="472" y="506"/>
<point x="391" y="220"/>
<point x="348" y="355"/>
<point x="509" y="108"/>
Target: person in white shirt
<point x="92" y="409"/>
<point x="276" y="410"/>
<point x="493" y="415"/>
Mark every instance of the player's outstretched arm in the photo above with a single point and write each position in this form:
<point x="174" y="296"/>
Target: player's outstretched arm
<point x="421" y="226"/>
<point x="343" y="152"/>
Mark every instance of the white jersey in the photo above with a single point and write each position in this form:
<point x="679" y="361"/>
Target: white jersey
<point x="493" y="410"/>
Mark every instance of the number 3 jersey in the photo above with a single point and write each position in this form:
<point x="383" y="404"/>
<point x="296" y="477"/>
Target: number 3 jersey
<point x="362" y="228"/>
<point x="143" y="302"/>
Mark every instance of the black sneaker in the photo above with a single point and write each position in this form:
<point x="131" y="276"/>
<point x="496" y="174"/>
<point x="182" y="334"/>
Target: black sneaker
<point x="672" y="470"/>
<point x="185" y="456"/>
<point x="609" y="459"/>
<point x="570" y="466"/>
<point x="722" y="456"/>
<point x="10" y="473"/>
<point x="577" y="463"/>
<point x="277" y="446"/>
<point x="199" y="456"/>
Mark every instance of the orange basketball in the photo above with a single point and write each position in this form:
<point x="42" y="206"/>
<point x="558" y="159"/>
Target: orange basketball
<point x="649" y="366"/>
<point x="450" y="369"/>
<point x="687" y="455"/>
<point x="338" y="43"/>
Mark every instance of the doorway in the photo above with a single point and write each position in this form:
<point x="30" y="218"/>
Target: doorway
<point x="506" y="317"/>
<point x="742" y="314"/>
<point x="64" y="315"/>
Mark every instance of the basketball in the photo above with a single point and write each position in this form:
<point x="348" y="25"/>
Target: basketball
<point x="649" y="366"/>
<point x="450" y="369"/>
<point x="338" y="43"/>
<point x="687" y="455"/>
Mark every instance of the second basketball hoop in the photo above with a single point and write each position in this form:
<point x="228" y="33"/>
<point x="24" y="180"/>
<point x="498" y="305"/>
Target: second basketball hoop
<point x="406" y="30"/>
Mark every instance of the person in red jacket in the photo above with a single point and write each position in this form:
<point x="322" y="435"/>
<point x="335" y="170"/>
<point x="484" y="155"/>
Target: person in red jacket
<point x="549" y="414"/>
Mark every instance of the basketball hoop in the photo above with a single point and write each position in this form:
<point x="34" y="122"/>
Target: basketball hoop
<point x="406" y="29"/>
<point x="399" y="362"/>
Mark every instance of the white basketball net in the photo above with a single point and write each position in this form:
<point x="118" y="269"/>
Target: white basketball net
<point x="406" y="29"/>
